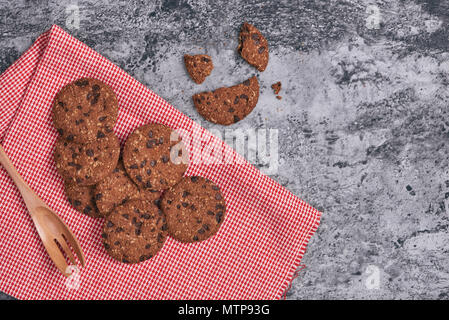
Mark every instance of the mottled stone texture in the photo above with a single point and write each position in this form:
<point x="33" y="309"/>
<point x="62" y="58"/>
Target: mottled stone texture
<point x="363" y="123"/>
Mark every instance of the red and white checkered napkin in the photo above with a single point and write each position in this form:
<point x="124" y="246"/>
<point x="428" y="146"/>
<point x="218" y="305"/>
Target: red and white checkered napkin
<point x="253" y="256"/>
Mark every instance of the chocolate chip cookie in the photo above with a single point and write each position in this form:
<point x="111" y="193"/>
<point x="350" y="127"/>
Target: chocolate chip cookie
<point x="82" y="199"/>
<point x="152" y="159"/>
<point x="86" y="164"/>
<point x="195" y="209"/>
<point x="228" y="105"/>
<point x="134" y="231"/>
<point x="253" y="47"/>
<point x="198" y="66"/>
<point x="85" y="110"/>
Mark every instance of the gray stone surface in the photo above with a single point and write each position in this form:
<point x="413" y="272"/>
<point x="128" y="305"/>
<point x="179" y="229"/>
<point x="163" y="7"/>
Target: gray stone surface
<point x="363" y="127"/>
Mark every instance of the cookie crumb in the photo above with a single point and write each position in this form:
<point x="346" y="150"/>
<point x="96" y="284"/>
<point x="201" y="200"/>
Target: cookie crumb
<point x="276" y="87"/>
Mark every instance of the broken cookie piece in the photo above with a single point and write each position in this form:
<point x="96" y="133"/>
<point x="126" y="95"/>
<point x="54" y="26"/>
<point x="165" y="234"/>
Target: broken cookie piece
<point x="198" y="66"/>
<point x="253" y="47"/>
<point x="228" y="105"/>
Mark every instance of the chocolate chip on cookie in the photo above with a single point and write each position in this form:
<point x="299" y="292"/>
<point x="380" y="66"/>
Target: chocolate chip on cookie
<point x="153" y="157"/>
<point x="134" y="231"/>
<point x="88" y="163"/>
<point x="198" y="66"/>
<point x="195" y="209"/>
<point x="228" y="105"/>
<point x="82" y="199"/>
<point x="154" y="196"/>
<point x="253" y="47"/>
<point x="85" y="110"/>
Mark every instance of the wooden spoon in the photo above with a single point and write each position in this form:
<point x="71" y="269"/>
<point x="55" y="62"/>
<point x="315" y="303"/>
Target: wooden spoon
<point x="56" y="236"/>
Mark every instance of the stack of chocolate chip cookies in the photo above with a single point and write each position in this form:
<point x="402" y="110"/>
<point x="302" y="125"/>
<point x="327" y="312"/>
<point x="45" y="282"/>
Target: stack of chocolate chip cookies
<point x="143" y="193"/>
<point x="87" y="150"/>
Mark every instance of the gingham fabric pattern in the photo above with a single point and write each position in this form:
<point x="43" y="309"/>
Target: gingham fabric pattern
<point x="253" y="256"/>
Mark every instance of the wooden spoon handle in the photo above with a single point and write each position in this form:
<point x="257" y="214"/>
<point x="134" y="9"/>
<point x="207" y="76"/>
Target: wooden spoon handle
<point x="31" y="199"/>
